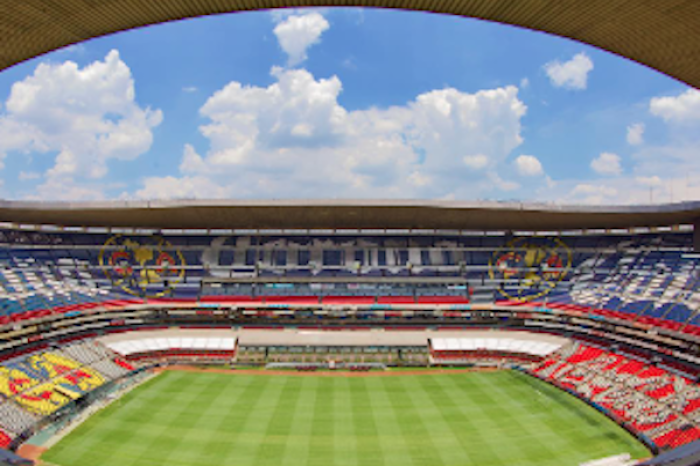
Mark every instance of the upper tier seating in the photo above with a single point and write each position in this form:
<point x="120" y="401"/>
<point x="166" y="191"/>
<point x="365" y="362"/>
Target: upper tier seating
<point x="30" y="287"/>
<point x="650" y="279"/>
<point x="644" y="283"/>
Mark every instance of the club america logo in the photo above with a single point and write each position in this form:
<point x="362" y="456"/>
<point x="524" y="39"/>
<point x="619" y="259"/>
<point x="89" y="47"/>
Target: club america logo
<point x="146" y="267"/>
<point x="530" y="268"/>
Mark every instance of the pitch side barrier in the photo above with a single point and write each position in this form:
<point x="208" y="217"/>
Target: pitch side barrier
<point x="621" y="422"/>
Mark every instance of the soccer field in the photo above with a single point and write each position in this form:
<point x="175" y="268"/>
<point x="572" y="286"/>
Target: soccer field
<point x="480" y="418"/>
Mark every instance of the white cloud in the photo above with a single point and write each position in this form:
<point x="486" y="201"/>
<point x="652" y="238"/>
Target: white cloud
<point x="524" y="83"/>
<point x="299" y="32"/>
<point x="85" y="117"/>
<point x="502" y="184"/>
<point x="418" y="179"/>
<point x="593" y="193"/>
<point x="294" y="139"/>
<point x="190" y="89"/>
<point x="280" y="14"/>
<point x="25" y="176"/>
<point x="528" y="165"/>
<point x="584" y="188"/>
<point x="69" y="189"/>
<point x="649" y="180"/>
<point x="656" y="172"/>
<point x="572" y="74"/>
<point x="684" y="108"/>
<point x="607" y="164"/>
<point x="188" y="187"/>
<point x="476" y="162"/>
<point x="635" y="134"/>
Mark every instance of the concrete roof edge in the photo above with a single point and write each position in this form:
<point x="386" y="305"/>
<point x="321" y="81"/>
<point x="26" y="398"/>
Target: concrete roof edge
<point x="685" y="206"/>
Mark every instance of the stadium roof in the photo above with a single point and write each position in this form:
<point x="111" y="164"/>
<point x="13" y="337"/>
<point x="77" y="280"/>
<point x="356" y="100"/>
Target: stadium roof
<point x="345" y="214"/>
<point x="662" y="34"/>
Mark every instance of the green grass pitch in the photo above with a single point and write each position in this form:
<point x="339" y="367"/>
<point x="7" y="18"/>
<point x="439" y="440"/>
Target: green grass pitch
<point x="479" y="418"/>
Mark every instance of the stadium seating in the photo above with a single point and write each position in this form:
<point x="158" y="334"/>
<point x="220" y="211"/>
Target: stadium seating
<point x="649" y="279"/>
<point x="5" y="439"/>
<point x="14" y="419"/>
<point x="39" y="383"/>
<point x="646" y="280"/>
<point x="661" y="405"/>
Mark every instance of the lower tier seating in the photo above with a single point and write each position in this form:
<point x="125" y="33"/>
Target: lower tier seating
<point x="37" y="384"/>
<point x="663" y="406"/>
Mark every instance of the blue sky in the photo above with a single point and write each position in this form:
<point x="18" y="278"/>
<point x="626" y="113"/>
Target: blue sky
<point x="345" y="103"/>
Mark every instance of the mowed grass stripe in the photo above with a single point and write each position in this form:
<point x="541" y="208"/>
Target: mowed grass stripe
<point x="456" y="430"/>
<point x="367" y="437"/>
<point x="322" y="439"/>
<point x="416" y="435"/>
<point x="272" y="448"/>
<point x="485" y="419"/>
<point x="393" y="443"/>
<point x="298" y="448"/>
<point x="253" y="429"/>
<point x="487" y="430"/>
<point x="513" y="426"/>
<point x="186" y="424"/>
<point x="345" y="438"/>
<point x="225" y="418"/>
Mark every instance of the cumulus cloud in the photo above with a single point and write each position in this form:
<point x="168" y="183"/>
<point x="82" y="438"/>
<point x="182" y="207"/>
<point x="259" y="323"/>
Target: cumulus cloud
<point x="683" y="108"/>
<point x="528" y="165"/>
<point x="299" y="32"/>
<point x="502" y="184"/>
<point x="635" y="134"/>
<point x="294" y="139"/>
<point x="187" y="187"/>
<point x="649" y="180"/>
<point x="607" y="163"/>
<point x="84" y="117"/>
<point x="572" y="74"/>
<point x="24" y="176"/>
<point x="660" y="170"/>
<point x="476" y="162"/>
<point x="586" y="193"/>
<point x="68" y="188"/>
